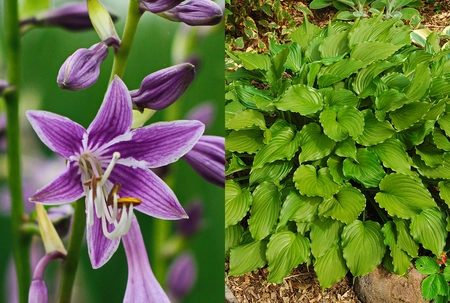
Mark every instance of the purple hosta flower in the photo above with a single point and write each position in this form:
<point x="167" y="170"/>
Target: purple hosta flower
<point x="2" y="132"/>
<point x="191" y="226"/>
<point x="72" y="16"/>
<point x="195" y="12"/>
<point x="203" y="112"/>
<point x="82" y="69"/>
<point x="142" y="285"/>
<point x="158" y="6"/>
<point x="181" y="276"/>
<point x="109" y="164"/>
<point x="207" y="158"/>
<point x="160" y="89"/>
<point x="38" y="290"/>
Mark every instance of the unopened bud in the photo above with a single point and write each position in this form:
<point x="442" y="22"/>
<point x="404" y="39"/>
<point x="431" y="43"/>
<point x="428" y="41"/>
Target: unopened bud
<point x="203" y="112"/>
<point x="162" y="88"/>
<point x="158" y="6"/>
<point x="181" y="277"/>
<point x="193" y="224"/>
<point x="82" y="69"/>
<point x="38" y="292"/>
<point x="195" y="12"/>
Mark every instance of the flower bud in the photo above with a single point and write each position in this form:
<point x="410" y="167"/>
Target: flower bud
<point x="158" y="6"/>
<point x="162" y="88"/>
<point x="190" y="226"/>
<point x="207" y="158"/>
<point x="203" y="112"/>
<point x="181" y="277"/>
<point x="82" y="69"/>
<point x="71" y="16"/>
<point x="195" y="12"/>
<point x="38" y="292"/>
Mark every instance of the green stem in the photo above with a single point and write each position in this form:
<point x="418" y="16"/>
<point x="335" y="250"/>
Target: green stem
<point x="70" y="265"/>
<point x="121" y="56"/>
<point x="21" y="241"/>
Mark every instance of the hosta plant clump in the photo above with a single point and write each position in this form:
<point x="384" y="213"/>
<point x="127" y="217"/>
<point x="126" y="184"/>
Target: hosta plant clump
<point x="338" y="151"/>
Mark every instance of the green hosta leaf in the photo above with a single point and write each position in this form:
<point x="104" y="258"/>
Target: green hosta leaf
<point x="282" y="146"/>
<point x="298" y="208"/>
<point x="434" y="285"/>
<point x="346" y="149"/>
<point x="341" y="97"/>
<point x="265" y="210"/>
<point x="436" y="110"/>
<point x="335" y="164"/>
<point x="372" y="51"/>
<point x="338" y="125"/>
<point x="335" y="45"/>
<point x="253" y="61"/>
<point x="244" y="141"/>
<point x="305" y="33"/>
<point x="344" y="206"/>
<point x="312" y="183"/>
<point x="235" y="164"/>
<point x="363" y="246"/>
<point x="233" y="109"/>
<point x="430" y="154"/>
<point x="277" y="68"/>
<point x="246" y="119"/>
<point x="396" y="81"/>
<point x="444" y="123"/>
<point x="312" y="53"/>
<point x="366" y="169"/>
<point x="403" y="196"/>
<point x="444" y="191"/>
<point x="314" y="143"/>
<point x="325" y="232"/>
<point x="370" y="30"/>
<point x="429" y="229"/>
<point x="246" y="94"/>
<point x="318" y="4"/>
<point x="248" y="257"/>
<point x="285" y="251"/>
<point x="404" y="238"/>
<point x="439" y="86"/>
<point x="375" y="132"/>
<point x="300" y="99"/>
<point x="400" y="259"/>
<point x="233" y="235"/>
<point x="294" y="60"/>
<point x="274" y="172"/>
<point x="427" y="265"/>
<point x="390" y="100"/>
<point x="439" y="172"/>
<point x="237" y="202"/>
<point x="392" y="154"/>
<point x="409" y="114"/>
<point x="330" y="267"/>
<point x="420" y="83"/>
<point x="416" y="134"/>
<point x="364" y="78"/>
<point x="339" y="71"/>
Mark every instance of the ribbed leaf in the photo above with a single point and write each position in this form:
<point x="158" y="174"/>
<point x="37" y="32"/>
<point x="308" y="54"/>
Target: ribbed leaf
<point x="248" y="257"/>
<point x="298" y="208"/>
<point x="341" y="97"/>
<point x="265" y="210"/>
<point x="375" y="132"/>
<point x="428" y="228"/>
<point x="314" y="143"/>
<point x="404" y="238"/>
<point x="246" y="119"/>
<point x="344" y="206"/>
<point x="274" y="172"/>
<point x="439" y="86"/>
<point x="420" y="83"/>
<point x="441" y="140"/>
<point x="416" y="134"/>
<point x="253" y="61"/>
<point x="439" y="172"/>
<point x="244" y="141"/>
<point x="339" y="71"/>
<point x="312" y="183"/>
<point x="396" y="81"/>
<point x="285" y="251"/>
<point x="392" y="154"/>
<point x="325" y="232"/>
<point x="335" y="164"/>
<point x="300" y="99"/>
<point x="294" y="60"/>
<point x="403" y="196"/>
<point x="372" y="51"/>
<point x="430" y="154"/>
<point x="363" y="246"/>
<point x="390" y="100"/>
<point x="364" y="78"/>
<point x="444" y="123"/>
<point x="370" y="30"/>
<point x="305" y="33"/>
<point x="341" y="123"/>
<point x="366" y="169"/>
<point x="233" y="235"/>
<point x="235" y="164"/>
<point x="346" y="149"/>
<point x="330" y="267"/>
<point x="400" y="259"/>
<point x="409" y="114"/>
<point x="232" y="109"/>
<point x="237" y="202"/>
<point x="282" y="146"/>
<point x="335" y="45"/>
<point x="444" y="191"/>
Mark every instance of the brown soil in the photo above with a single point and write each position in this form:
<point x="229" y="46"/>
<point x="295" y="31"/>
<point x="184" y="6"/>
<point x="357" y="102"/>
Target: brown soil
<point x="302" y="285"/>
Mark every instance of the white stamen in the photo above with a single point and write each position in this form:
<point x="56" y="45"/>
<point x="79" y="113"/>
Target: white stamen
<point x="113" y="162"/>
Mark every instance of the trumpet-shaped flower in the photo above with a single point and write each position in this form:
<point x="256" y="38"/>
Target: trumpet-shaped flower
<point x="110" y="165"/>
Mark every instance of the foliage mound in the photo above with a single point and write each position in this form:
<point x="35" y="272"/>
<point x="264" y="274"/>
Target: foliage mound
<point x="338" y="150"/>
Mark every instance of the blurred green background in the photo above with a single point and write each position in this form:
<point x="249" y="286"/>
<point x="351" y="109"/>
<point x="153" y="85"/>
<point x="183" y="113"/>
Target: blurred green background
<point x="44" y="50"/>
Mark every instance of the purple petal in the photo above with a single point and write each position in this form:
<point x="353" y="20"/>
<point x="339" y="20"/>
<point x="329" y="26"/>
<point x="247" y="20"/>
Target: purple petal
<point x="181" y="276"/>
<point x="142" y="285"/>
<point x="158" y="200"/>
<point x="207" y="158"/>
<point x="157" y="6"/>
<point x="60" y="134"/>
<point x="100" y="248"/>
<point x="66" y="188"/>
<point x="159" y="144"/>
<point x="114" y="116"/>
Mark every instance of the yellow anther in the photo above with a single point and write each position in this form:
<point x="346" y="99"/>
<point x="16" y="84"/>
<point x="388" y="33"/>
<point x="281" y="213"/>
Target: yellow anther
<point x="114" y="191"/>
<point x="126" y="201"/>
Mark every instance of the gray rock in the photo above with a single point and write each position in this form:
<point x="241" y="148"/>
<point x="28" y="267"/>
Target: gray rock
<point x="381" y="286"/>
